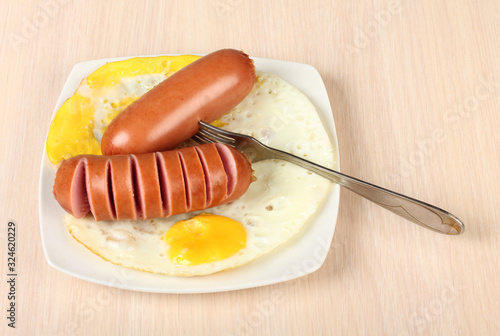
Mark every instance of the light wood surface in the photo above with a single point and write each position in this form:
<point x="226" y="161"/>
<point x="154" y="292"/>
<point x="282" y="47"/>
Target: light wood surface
<point x="415" y="92"/>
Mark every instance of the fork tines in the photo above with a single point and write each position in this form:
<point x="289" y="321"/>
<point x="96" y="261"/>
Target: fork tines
<point x="208" y="133"/>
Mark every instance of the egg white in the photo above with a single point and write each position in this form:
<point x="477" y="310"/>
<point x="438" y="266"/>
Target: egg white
<point x="108" y="100"/>
<point x="275" y="207"/>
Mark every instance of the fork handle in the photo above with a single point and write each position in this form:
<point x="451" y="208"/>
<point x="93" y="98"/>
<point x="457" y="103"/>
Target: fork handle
<point x="419" y="212"/>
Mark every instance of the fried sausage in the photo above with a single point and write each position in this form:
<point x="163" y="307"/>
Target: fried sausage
<point x="169" y="113"/>
<point x="152" y="185"/>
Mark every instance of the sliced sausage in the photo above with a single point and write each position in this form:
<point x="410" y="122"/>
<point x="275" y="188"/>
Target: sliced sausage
<point x="152" y="185"/>
<point x="169" y="113"/>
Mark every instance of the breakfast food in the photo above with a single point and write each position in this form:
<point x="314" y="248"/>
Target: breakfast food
<point x="152" y="185"/>
<point x="79" y="124"/>
<point x="169" y="114"/>
<point x="275" y="207"/>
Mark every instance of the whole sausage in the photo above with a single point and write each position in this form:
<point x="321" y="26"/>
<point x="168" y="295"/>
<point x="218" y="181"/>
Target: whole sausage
<point x="152" y="185"/>
<point x="169" y="113"/>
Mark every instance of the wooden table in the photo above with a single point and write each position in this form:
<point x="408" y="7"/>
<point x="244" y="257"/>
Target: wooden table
<point x="415" y="91"/>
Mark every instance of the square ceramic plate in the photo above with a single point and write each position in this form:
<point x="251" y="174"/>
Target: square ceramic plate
<point x="302" y="255"/>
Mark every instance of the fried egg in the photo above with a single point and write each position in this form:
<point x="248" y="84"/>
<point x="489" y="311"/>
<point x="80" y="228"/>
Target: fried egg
<point x="80" y="122"/>
<point x="274" y="209"/>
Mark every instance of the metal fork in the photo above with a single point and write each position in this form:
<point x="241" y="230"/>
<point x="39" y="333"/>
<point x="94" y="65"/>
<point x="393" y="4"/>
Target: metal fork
<point x="421" y="213"/>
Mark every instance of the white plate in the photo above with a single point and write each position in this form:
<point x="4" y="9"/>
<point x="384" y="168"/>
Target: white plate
<point x="300" y="256"/>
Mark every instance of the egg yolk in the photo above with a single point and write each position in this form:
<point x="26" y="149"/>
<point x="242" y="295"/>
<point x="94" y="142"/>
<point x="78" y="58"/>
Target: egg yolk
<point x="204" y="239"/>
<point x="71" y="132"/>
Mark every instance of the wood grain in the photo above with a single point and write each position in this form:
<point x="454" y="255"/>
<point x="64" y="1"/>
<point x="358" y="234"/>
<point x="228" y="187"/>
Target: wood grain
<point x="415" y="91"/>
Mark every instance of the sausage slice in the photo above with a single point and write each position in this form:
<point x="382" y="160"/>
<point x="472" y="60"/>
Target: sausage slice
<point x="148" y="185"/>
<point x="173" y="185"/>
<point x="215" y="175"/>
<point x="238" y="170"/>
<point x="194" y="178"/>
<point x="123" y="187"/>
<point x="99" y="188"/>
<point x="70" y="187"/>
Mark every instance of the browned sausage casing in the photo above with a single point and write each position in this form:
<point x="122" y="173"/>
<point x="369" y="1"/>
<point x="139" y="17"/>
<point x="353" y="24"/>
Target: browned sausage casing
<point x="152" y="185"/>
<point x="169" y="113"/>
